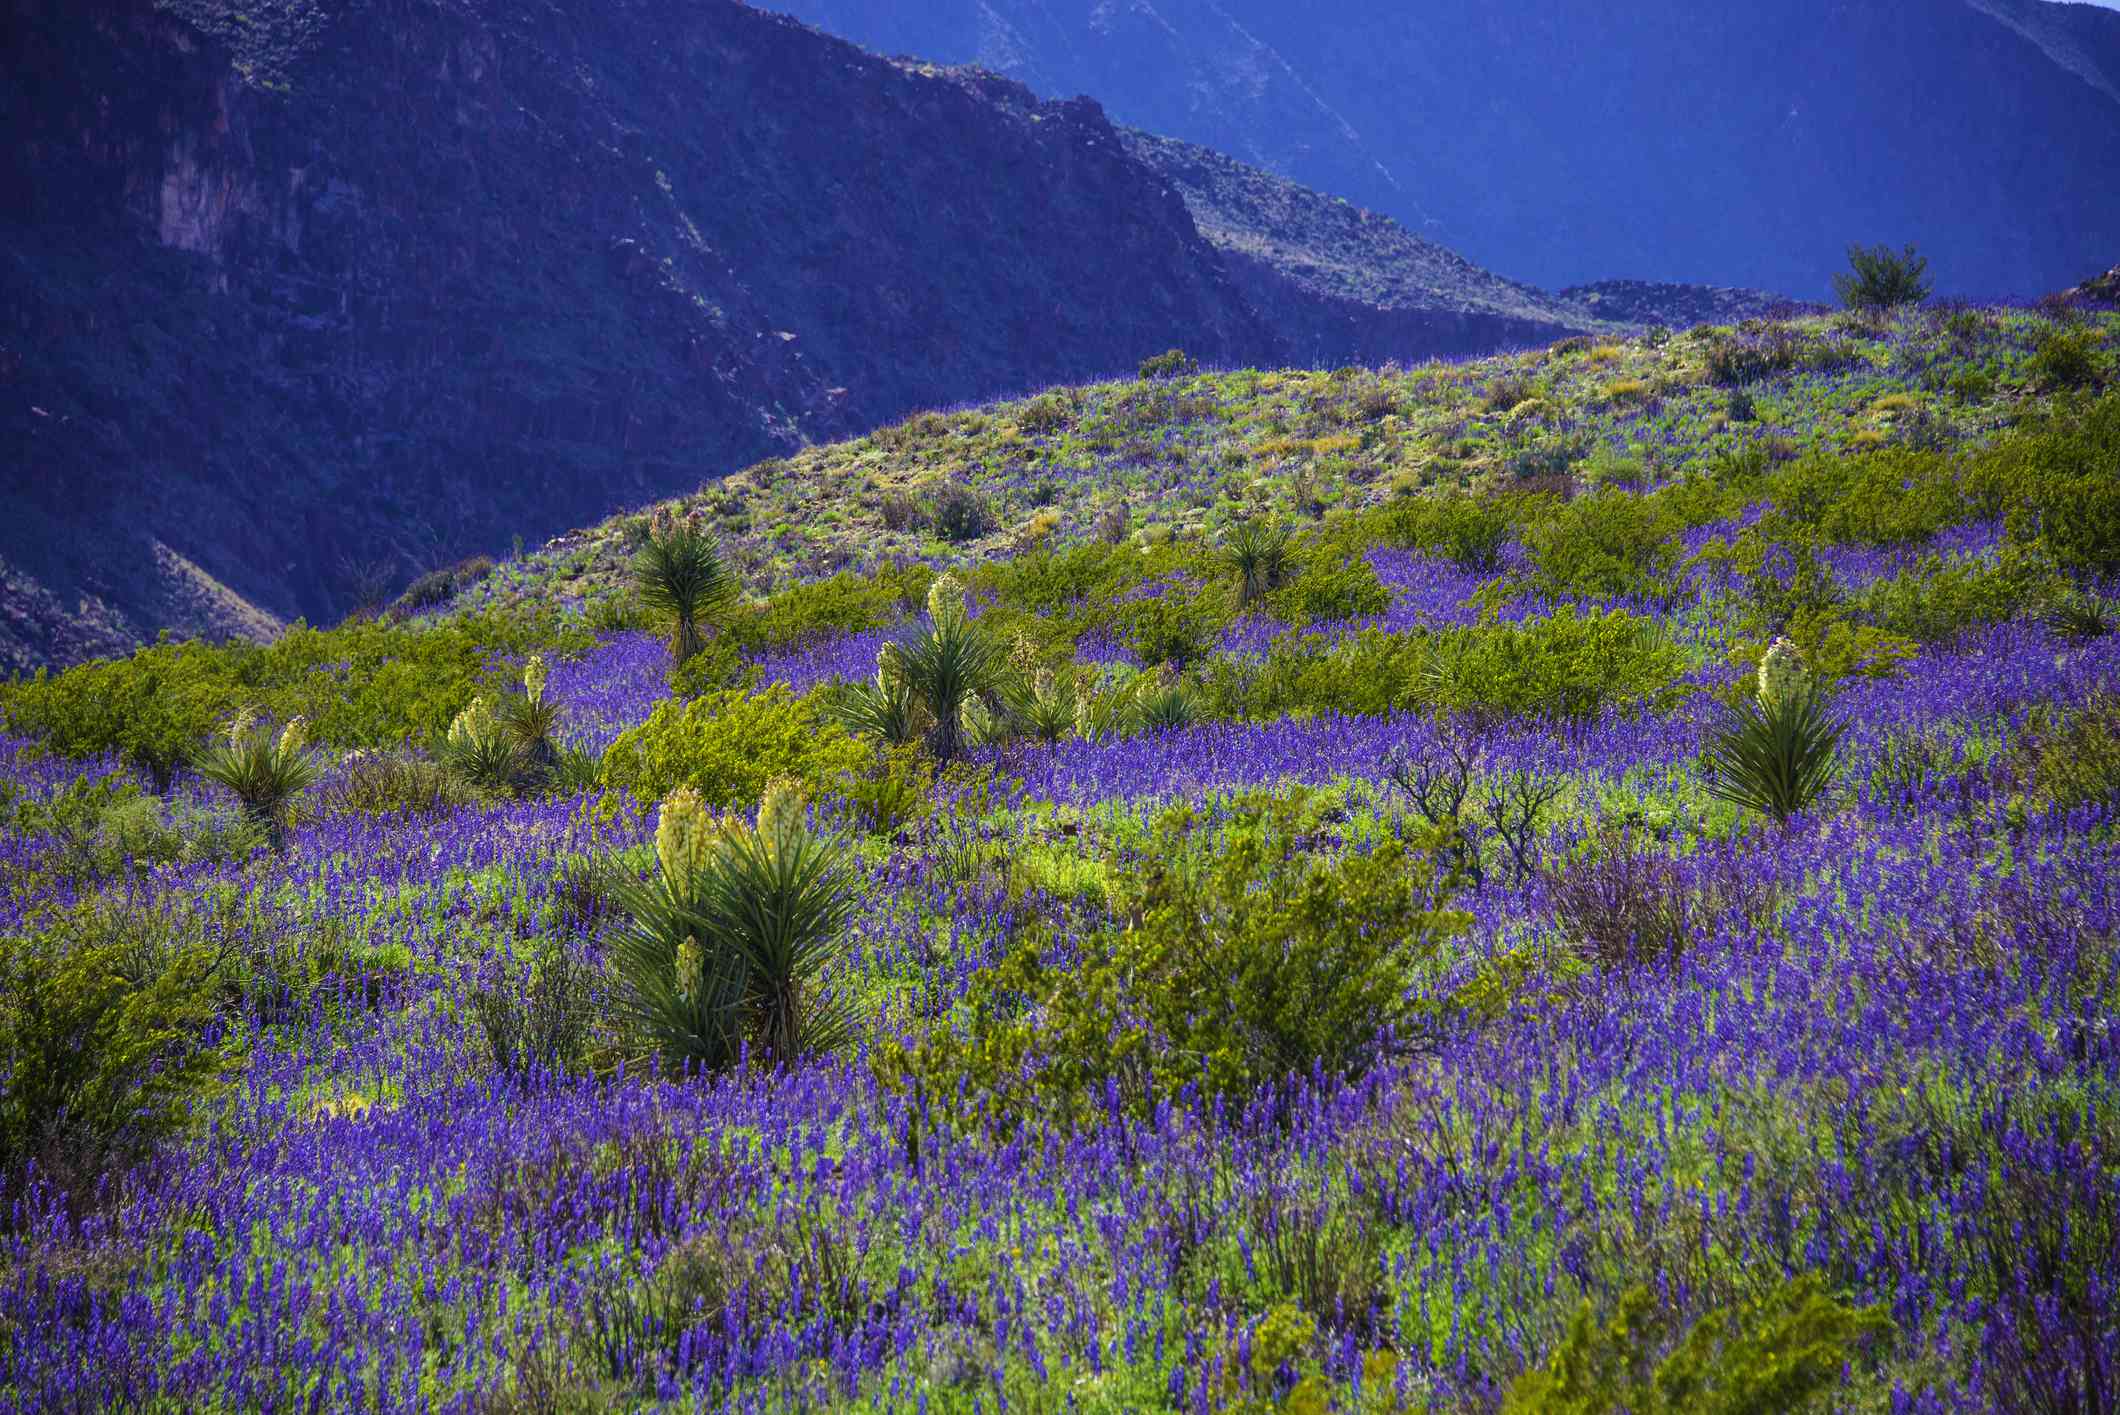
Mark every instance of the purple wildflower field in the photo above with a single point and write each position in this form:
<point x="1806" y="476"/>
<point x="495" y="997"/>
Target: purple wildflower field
<point x="1680" y="1044"/>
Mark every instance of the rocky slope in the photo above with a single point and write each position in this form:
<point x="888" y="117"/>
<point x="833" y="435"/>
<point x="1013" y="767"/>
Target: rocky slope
<point x="1724" y="141"/>
<point x="1346" y="285"/>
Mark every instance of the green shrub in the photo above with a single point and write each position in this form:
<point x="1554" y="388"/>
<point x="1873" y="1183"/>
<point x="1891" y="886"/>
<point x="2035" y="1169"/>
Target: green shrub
<point x="1567" y="664"/>
<point x="1247" y="954"/>
<point x="1177" y="627"/>
<point x="1330" y="589"/>
<point x="1610" y="543"/>
<point x="359" y="685"/>
<point x="727" y="745"/>
<point x="846" y="603"/>
<point x="1879" y="279"/>
<point x="2065" y="359"/>
<point x="1767" y="1356"/>
<point x="1171" y="363"/>
<point x="536" y="1019"/>
<point x="104" y="1027"/>
<point x="153" y="708"/>
<point x="1470" y="530"/>
<point x="394" y="783"/>
<point x="438" y="587"/>
<point x="1972" y="384"/>
<point x="959" y="513"/>
<point x="1935" y="602"/>
<point x="2075" y="761"/>
<point x="2058" y="483"/>
<point x="1893" y="498"/>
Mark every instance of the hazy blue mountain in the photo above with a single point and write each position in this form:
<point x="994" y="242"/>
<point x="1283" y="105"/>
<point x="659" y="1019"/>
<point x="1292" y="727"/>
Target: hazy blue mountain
<point x="1557" y="142"/>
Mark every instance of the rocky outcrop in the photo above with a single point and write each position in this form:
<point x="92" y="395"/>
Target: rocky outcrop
<point x="2099" y="289"/>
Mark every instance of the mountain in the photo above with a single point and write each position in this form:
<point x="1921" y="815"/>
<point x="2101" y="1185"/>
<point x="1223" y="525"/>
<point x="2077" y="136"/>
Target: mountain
<point x="295" y="289"/>
<point x="1704" y="140"/>
<point x="301" y="298"/>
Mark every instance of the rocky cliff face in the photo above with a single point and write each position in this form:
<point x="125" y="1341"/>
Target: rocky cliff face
<point x="304" y="295"/>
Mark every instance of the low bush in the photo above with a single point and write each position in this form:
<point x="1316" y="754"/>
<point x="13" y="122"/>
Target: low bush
<point x="2058" y="483"/>
<point x="2073" y="759"/>
<point x="438" y="587"/>
<point x="1893" y="497"/>
<point x="1772" y="1353"/>
<point x="1610" y="543"/>
<point x="535" y="1019"/>
<point x="1879" y="278"/>
<point x="727" y="745"/>
<point x="1171" y="363"/>
<point x="1566" y="665"/>
<point x="959" y="513"/>
<point x="106" y="1040"/>
<point x="1468" y="529"/>
<point x="1249" y="952"/>
<point x="1330" y="589"/>
<point x="1938" y="601"/>
<point x="2064" y="360"/>
<point x="393" y="783"/>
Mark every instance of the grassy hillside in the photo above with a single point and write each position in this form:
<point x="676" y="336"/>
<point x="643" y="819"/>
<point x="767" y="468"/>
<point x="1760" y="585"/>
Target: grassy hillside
<point x="1181" y="458"/>
<point x="1559" y="883"/>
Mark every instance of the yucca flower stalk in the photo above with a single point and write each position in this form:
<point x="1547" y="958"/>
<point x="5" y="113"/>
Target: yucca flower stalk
<point x="264" y="771"/>
<point x="1780" y="747"/>
<point x="680" y="577"/>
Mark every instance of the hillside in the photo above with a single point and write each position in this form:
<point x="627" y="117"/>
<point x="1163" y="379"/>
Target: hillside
<point x="1366" y="890"/>
<point x="1725" y="143"/>
<point x="1184" y="458"/>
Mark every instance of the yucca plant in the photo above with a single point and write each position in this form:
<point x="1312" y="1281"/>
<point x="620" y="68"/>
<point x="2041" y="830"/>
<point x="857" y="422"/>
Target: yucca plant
<point x="1167" y="708"/>
<point x="1779" y="749"/>
<point x="529" y="719"/>
<point x="2076" y="615"/>
<point x="727" y="947"/>
<point x="885" y="709"/>
<point x="1047" y="709"/>
<point x="946" y="663"/>
<point x="263" y="770"/>
<point x="482" y="752"/>
<point x="681" y="579"/>
<point x="1261" y="556"/>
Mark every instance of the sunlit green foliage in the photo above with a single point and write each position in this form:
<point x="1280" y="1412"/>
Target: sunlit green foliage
<point x="728" y="745"/>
